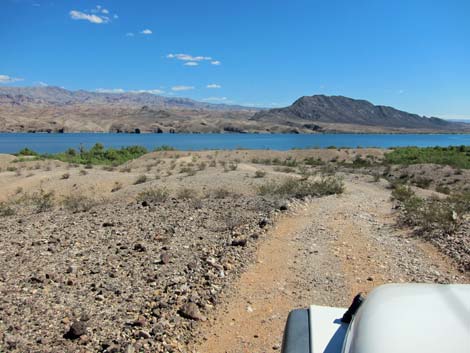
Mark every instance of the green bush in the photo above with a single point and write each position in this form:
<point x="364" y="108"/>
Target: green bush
<point x="455" y="156"/>
<point x="27" y="152"/>
<point x="99" y="155"/>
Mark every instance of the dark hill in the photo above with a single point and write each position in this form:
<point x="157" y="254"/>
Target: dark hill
<point x="343" y="110"/>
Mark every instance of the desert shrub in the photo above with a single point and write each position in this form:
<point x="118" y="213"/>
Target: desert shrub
<point x="83" y="172"/>
<point x="126" y="169"/>
<point x="117" y="186"/>
<point x="284" y="169"/>
<point x="260" y="174"/>
<point x="213" y="163"/>
<point x="42" y="201"/>
<point x="301" y="188"/>
<point x="164" y="148"/>
<point x="422" y="182"/>
<point x="109" y="168"/>
<point x="402" y="192"/>
<point x="221" y="193"/>
<point x="6" y="210"/>
<point x="141" y="179"/>
<point x="443" y="189"/>
<point x="65" y="176"/>
<point x="78" y="203"/>
<point x="155" y="195"/>
<point x="202" y="166"/>
<point x="188" y="170"/>
<point x="313" y="161"/>
<point x="186" y="193"/>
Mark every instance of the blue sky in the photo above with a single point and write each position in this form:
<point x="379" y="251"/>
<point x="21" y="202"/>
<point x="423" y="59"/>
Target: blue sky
<point x="413" y="55"/>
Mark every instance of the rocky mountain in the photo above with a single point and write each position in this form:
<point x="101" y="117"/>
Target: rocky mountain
<point x="56" y="96"/>
<point x="54" y="109"/>
<point x="320" y="109"/>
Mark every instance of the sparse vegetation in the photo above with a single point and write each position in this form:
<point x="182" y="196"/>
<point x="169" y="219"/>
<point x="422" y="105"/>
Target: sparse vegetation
<point x="65" y="176"/>
<point x="78" y="203"/>
<point x="301" y="188"/>
<point x="186" y="193"/>
<point x="41" y="201"/>
<point x="6" y="210"/>
<point x="428" y="216"/>
<point x="155" y="195"/>
<point x="221" y="193"/>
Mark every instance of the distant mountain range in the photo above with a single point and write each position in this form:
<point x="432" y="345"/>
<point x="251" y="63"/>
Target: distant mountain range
<point x="56" y="96"/>
<point x="53" y="109"/>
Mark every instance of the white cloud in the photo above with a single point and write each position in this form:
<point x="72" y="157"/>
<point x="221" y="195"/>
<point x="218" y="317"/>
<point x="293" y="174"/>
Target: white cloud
<point x="42" y="84"/>
<point x="78" y="15"/>
<point x="146" y="31"/>
<point x="213" y="85"/>
<point x="151" y="91"/>
<point x="110" y="90"/>
<point x="191" y="60"/>
<point x="215" y="99"/>
<point x="9" y="79"/>
<point x="97" y="15"/>
<point x="120" y="90"/>
<point x="187" y="57"/>
<point x="129" y="34"/>
<point x="181" y="88"/>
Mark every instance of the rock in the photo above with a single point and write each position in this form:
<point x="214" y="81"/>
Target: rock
<point x="139" y="247"/>
<point x="76" y="330"/>
<point x="191" y="311"/>
<point x="263" y="222"/>
<point x="143" y="334"/>
<point x="164" y="258"/>
<point x="145" y="204"/>
<point x="239" y="242"/>
<point x="108" y="224"/>
<point x="140" y="322"/>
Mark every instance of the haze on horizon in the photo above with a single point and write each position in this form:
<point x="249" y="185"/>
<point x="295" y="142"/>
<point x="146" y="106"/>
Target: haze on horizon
<point x="410" y="55"/>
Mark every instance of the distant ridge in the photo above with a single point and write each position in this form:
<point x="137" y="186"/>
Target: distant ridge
<point x="56" y="96"/>
<point x="343" y="110"/>
<point x="58" y="110"/>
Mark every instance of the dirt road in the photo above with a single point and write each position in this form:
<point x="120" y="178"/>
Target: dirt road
<point x="323" y="253"/>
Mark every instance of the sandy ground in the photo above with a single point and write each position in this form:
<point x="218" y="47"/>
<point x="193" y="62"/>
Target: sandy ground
<point x="324" y="253"/>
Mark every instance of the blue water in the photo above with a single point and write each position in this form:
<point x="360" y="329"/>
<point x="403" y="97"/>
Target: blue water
<point x="52" y="143"/>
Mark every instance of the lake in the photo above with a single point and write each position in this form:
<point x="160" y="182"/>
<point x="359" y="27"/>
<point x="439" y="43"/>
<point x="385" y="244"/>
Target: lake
<point x="52" y="143"/>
